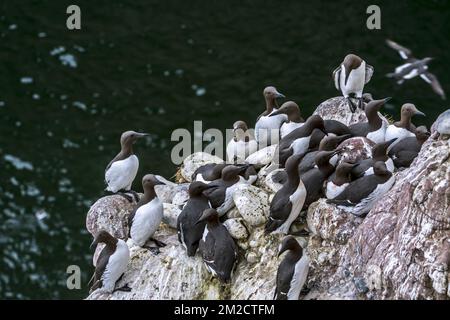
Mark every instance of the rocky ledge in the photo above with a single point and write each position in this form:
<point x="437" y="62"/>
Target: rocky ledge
<point x="400" y="250"/>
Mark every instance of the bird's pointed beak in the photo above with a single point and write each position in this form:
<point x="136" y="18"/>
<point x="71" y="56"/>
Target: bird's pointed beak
<point x="420" y="113"/>
<point x="93" y="244"/>
<point x="277" y="112"/>
<point x="387" y="99"/>
<point x="142" y="134"/>
<point x="279" y="95"/>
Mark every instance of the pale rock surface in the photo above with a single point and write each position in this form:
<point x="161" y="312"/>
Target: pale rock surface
<point x="400" y="250"/>
<point x="195" y="161"/>
<point x="252" y="203"/>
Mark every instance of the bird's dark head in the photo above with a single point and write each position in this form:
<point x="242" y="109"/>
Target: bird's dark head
<point x="149" y="181"/>
<point x="103" y="236"/>
<point x="380" y="169"/>
<point x="130" y="137"/>
<point x="323" y="157"/>
<point x="409" y="110"/>
<point x="208" y="215"/>
<point x="271" y="93"/>
<point x="422" y="133"/>
<point x="330" y="142"/>
<point x="289" y="243"/>
<point x="290" y="108"/>
<point x="197" y="187"/>
<point x="316" y="122"/>
<point x="230" y="172"/>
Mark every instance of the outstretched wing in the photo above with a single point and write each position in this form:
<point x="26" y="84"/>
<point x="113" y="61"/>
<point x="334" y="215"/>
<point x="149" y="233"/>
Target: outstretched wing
<point x="404" y="52"/>
<point x="369" y="73"/>
<point x="434" y="83"/>
<point x="336" y="77"/>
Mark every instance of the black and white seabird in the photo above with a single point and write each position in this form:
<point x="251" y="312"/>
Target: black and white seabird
<point x="220" y="193"/>
<point x="404" y="153"/>
<point x="146" y="217"/>
<point x="328" y="143"/>
<point x="111" y="263"/>
<point x="217" y="247"/>
<point x="350" y="78"/>
<point x="190" y="231"/>
<point x="209" y="172"/>
<point x="122" y="170"/>
<point x="403" y="128"/>
<point x="414" y="67"/>
<point x="297" y="142"/>
<point x="340" y="179"/>
<point x="375" y="128"/>
<point x="360" y="195"/>
<point x="315" y="178"/>
<point x="267" y="129"/>
<point x="292" y="271"/>
<point x="379" y="153"/>
<point x="294" y="119"/>
<point x="288" y="201"/>
<point x="242" y="145"/>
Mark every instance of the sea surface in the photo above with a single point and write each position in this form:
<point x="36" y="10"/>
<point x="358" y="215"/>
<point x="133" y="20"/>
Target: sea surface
<point x="154" y="66"/>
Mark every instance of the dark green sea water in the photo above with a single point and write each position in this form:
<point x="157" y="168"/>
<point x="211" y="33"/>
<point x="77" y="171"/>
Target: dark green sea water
<point x="154" y="66"/>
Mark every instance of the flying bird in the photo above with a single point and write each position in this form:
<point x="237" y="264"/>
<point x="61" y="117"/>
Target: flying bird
<point x="414" y="67"/>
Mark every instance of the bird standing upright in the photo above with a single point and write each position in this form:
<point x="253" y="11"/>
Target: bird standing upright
<point x="146" y="217"/>
<point x="350" y="78"/>
<point x="111" y="263"/>
<point x="121" y="171"/>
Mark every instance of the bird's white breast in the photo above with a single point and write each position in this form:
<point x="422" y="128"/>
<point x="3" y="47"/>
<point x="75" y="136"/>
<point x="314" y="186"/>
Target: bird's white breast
<point x="146" y="221"/>
<point x="117" y="265"/>
<point x="400" y="133"/>
<point x="265" y="125"/>
<point x="299" y="278"/>
<point x="334" y="190"/>
<point x="378" y="136"/>
<point x="297" y="199"/>
<point x="240" y="150"/>
<point x="288" y="127"/>
<point x="355" y="81"/>
<point x="301" y="145"/>
<point x="122" y="173"/>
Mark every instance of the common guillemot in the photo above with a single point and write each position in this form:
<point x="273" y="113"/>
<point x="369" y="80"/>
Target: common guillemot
<point x="217" y="247"/>
<point x="404" y="153"/>
<point x="121" y="171"/>
<point x="350" y="78"/>
<point x="375" y="128"/>
<point x="294" y="119"/>
<point x="379" y="153"/>
<point x="328" y="143"/>
<point x="111" y="263"/>
<point x="220" y="195"/>
<point x="190" y="231"/>
<point x="147" y="216"/>
<point x="288" y="201"/>
<point x="208" y="172"/>
<point x="292" y="271"/>
<point x="340" y="180"/>
<point x="297" y="142"/>
<point x="414" y="67"/>
<point x="242" y="145"/>
<point x="360" y="195"/>
<point x="403" y="128"/>
<point x="266" y="126"/>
